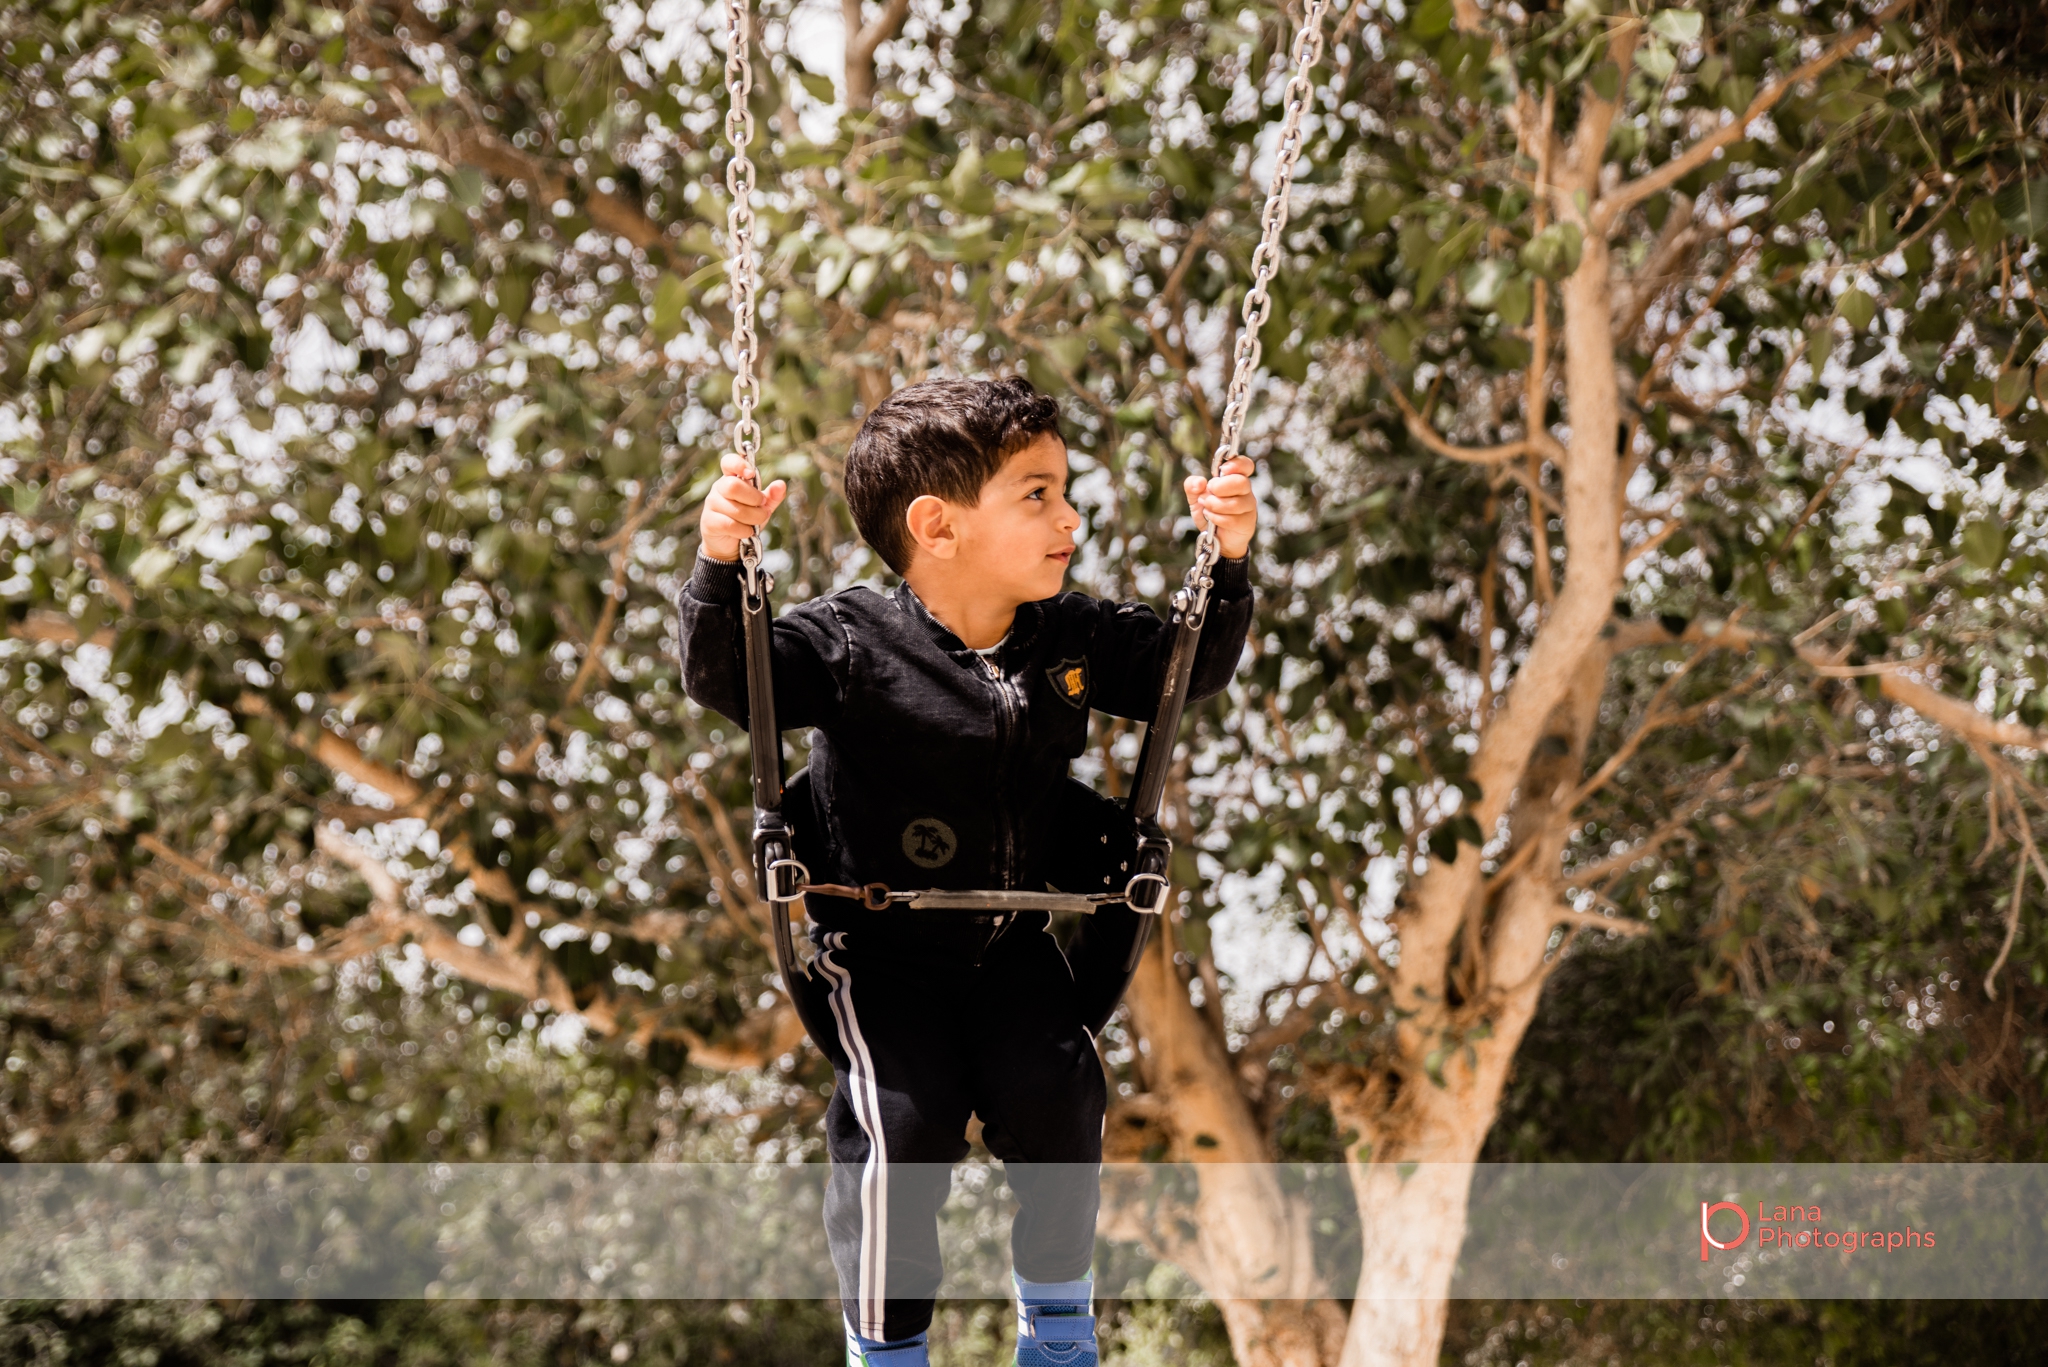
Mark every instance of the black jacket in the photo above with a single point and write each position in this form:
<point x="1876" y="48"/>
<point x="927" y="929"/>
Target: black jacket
<point x="932" y="766"/>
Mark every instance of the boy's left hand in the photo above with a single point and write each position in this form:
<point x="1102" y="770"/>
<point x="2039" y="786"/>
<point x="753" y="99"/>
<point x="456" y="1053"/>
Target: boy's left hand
<point x="1227" y="504"/>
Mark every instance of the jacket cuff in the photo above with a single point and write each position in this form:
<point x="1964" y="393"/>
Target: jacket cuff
<point x="715" y="581"/>
<point x="1232" y="578"/>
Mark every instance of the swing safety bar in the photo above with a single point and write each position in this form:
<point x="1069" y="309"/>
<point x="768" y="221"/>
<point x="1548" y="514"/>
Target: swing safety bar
<point x="880" y="896"/>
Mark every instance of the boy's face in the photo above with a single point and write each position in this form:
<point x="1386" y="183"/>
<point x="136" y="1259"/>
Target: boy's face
<point x="1015" y="542"/>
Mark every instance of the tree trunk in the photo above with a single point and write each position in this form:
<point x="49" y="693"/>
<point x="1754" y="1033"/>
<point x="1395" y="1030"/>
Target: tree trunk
<point x="1414" y="1226"/>
<point x="1412" y="1218"/>
<point x="1412" y="1197"/>
<point x="1249" y="1234"/>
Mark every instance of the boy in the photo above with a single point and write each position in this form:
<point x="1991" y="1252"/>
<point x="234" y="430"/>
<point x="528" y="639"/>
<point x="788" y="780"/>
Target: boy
<point x="946" y="714"/>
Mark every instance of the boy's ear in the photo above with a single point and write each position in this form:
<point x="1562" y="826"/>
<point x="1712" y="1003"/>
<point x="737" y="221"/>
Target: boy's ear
<point x="931" y="526"/>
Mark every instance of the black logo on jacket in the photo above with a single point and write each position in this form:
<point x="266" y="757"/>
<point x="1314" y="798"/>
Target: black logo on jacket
<point x="929" y="842"/>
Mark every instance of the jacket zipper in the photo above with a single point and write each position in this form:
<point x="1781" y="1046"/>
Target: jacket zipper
<point x="1006" y="728"/>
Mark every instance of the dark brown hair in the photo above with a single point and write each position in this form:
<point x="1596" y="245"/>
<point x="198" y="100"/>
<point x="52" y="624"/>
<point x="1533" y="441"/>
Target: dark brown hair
<point x="947" y="438"/>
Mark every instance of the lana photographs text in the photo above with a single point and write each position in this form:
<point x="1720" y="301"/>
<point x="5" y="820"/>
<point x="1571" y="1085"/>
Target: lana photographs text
<point x="1799" y="1227"/>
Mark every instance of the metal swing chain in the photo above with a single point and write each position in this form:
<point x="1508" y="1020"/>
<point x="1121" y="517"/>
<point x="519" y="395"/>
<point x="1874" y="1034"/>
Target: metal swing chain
<point x="778" y="874"/>
<point x="1258" y="305"/>
<point x="739" y="271"/>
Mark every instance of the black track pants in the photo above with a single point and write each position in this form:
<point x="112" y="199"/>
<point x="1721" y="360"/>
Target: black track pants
<point x="921" y="1037"/>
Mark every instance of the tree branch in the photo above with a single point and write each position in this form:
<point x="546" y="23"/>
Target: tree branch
<point x="1668" y="350"/>
<point x="1953" y="714"/>
<point x="1594" y="919"/>
<point x="351" y="942"/>
<point x="725" y="861"/>
<point x="1658" y="271"/>
<point x="862" y="41"/>
<point x="1611" y="206"/>
<point x="610" y="212"/>
<point x="761" y="1037"/>
<point x="1587" y="152"/>
<point x="1536" y="443"/>
<point x="1672" y="526"/>
<point x="526" y="974"/>
<point x="2003" y="779"/>
<point x="341" y="756"/>
<point x="1342" y="898"/>
<point x="1655" y="719"/>
<point x="1536" y="383"/>
<point x="1602" y="869"/>
<point x="44" y="625"/>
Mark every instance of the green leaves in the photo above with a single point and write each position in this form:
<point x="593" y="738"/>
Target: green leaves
<point x="2023" y="208"/>
<point x="1680" y="26"/>
<point x="1554" y="252"/>
<point x="1656" y="61"/>
<point x="2010" y="390"/>
<point x="1983" y="543"/>
<point x="1445" y="258"/>
<point x="1604" y="80"/>
<point x="671" y="294"/>
<point x="1856" y="308"/>
<point x="969" y="183"/>
<point x="1431" y="19"/>
<point x="1820" y="344"/>
<point x="1986" y="227"/>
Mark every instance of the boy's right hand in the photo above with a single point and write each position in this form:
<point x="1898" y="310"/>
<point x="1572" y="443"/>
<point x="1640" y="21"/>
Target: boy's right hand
<point x="735" y="509"/>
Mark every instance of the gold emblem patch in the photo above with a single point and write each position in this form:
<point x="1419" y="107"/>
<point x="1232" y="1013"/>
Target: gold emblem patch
<point x="1070" y="680"/>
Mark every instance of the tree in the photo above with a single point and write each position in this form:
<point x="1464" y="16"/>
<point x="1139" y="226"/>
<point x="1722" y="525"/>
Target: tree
<point x="363" y="362"/>
<point x="1520" y="717"/>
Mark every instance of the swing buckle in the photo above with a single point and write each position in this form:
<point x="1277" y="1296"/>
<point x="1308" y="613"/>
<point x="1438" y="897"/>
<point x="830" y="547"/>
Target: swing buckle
<point x="1146" y="891"/>
<point x="771" y="889"/>
<point x="773" y="859"/>
<point x="1140" y="903"/>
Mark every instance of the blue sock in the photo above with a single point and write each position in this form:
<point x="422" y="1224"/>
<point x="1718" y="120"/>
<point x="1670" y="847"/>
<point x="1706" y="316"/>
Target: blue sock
<point x="867" y="1352"/>
<point x="1056" y="1323"/>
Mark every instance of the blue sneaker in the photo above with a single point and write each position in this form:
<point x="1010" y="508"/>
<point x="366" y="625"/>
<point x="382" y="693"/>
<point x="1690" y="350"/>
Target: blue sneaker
<point x="1056" y="1324"/>
<point x="862" y="1352"/>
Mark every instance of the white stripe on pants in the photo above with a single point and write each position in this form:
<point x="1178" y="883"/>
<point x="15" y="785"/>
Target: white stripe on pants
<point x="867" y="1110"/>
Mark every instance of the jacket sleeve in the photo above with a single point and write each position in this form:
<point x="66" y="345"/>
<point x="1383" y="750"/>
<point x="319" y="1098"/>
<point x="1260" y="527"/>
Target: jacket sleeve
<point x="1131" y="645"/>
<point x="811" y="660"/>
